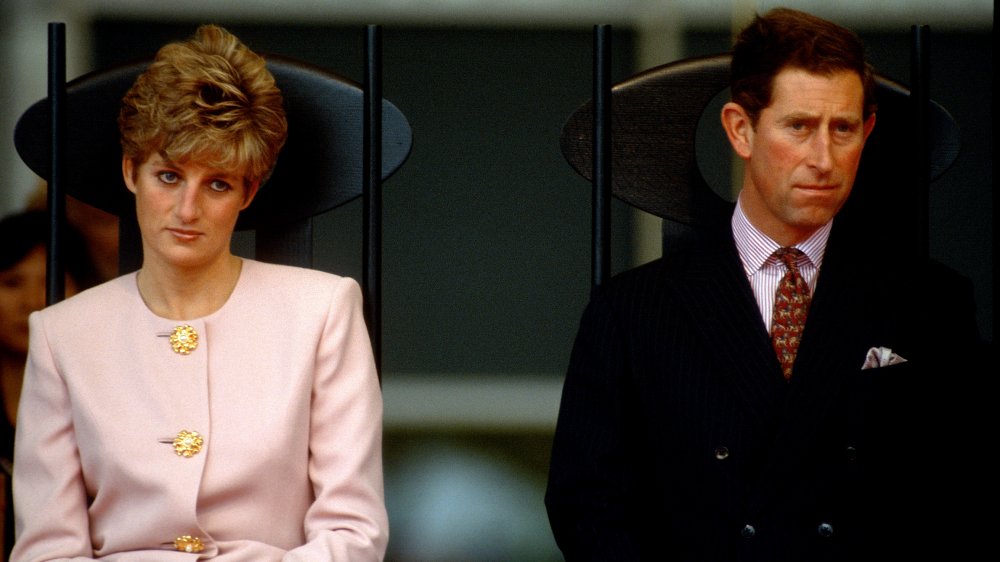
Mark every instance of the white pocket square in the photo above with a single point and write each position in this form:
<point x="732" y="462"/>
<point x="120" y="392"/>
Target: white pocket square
<point x="881" y="357"/>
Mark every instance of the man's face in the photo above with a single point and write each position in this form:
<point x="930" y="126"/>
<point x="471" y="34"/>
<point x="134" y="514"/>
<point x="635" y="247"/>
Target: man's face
<point x="802" y="155"/>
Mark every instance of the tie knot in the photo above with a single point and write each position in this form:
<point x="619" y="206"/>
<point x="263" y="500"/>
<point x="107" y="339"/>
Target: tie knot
<point x="790" y="256"/>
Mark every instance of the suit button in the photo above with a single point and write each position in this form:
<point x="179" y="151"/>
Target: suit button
<point x="187" y="543"/>
<point x="748" y="531"/>
<point x="722" y="453"/>
<point x="852" y="453"/>
<point x="825" y="530"/>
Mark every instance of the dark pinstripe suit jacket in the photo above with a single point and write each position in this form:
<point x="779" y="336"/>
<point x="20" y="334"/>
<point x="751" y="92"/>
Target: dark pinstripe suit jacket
<point x="678" y="439"/>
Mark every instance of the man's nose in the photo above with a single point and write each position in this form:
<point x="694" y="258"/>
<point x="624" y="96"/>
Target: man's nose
<point x="821" y="152"/>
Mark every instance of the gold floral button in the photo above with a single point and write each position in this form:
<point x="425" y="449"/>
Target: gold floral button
<point x="188" y="443"/>
<point x="187" y="543"/>
<point x="184" y="339"/>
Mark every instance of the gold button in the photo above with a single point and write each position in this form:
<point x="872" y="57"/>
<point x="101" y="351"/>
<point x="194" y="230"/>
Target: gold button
<point x="187" y="543"/>
<point x="184" y="339"/>
<point x="188" y="443"/>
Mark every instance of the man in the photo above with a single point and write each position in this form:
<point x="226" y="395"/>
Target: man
<point x="734" y="402"/>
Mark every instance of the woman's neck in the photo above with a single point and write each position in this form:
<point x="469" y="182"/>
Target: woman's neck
<point x="180" y="294"/>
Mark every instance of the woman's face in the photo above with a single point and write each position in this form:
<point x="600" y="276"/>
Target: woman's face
<point x="22" y="291"/>
<point x="186" y="211"/>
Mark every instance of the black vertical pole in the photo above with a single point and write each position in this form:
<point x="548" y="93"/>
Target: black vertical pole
<point x="372" y="189"/>
<point x="919" y="106"/>
<point x="55" y="279"/>
<point x="601" y="221"/>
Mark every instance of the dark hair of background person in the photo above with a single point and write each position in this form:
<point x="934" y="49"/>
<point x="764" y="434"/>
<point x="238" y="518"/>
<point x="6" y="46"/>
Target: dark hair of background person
<point x="23" y="232"/>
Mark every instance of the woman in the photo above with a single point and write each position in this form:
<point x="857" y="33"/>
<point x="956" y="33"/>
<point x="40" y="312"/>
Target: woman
<point x="205" y="404"/>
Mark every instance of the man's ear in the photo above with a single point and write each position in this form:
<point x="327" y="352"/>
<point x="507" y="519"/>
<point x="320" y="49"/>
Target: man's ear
<point x="869" y="125"/>
<point x="251" y="192"/>
<point x="128" y="173"/>
<point x="739" y="129"/>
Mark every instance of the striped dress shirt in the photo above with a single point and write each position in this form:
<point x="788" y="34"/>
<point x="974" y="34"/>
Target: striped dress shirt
<point x="763" y="270"/>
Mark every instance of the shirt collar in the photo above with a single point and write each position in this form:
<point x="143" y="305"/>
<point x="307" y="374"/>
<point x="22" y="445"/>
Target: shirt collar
<point x="755" y="247"/>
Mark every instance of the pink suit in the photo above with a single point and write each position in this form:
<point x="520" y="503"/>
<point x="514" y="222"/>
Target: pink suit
<point x="282" y="388"/>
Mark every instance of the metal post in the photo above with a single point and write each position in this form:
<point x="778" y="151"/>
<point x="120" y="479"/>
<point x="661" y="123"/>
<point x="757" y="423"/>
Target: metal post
<point x="55" y="278"/>
<point x="372" y="189"/>
<point x="601" y="221"/>
<point x="919" y="106"/>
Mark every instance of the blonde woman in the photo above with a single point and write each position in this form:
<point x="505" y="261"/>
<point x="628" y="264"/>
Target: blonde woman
<point x="206" y="404"/>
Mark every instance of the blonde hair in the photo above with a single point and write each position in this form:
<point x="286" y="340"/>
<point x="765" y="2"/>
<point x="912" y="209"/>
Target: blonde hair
<point x="211" y="98"/>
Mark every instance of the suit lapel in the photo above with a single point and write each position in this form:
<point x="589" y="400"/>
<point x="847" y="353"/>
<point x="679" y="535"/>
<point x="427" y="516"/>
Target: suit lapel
<point x="717" y="295"/>
<point x="828" y="343"/>
<point x="834" y="328"/>
<point x="828" y="354"/>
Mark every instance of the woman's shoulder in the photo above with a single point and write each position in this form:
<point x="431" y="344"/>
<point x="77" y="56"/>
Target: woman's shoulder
<point x="286" y="279"/>
<point x="106" y="298"/>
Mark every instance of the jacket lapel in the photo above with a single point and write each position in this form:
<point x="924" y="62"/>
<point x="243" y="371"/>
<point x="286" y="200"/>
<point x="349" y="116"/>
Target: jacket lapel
<point x="827" y="356"/>
<point x="828" y="349"/>
<point x="717" y="295"/>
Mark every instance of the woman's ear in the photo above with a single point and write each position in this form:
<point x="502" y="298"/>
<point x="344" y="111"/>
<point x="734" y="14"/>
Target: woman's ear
<point x="128" y="173"/>
<point x="251" y="192"/>
<point x="739" y="129"/>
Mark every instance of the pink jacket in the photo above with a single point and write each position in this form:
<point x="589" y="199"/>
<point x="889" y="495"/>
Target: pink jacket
<point x="282" y="389"/>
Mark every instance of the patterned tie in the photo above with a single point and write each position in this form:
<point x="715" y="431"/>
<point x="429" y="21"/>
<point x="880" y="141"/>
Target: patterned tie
<point x="791" y="303"/>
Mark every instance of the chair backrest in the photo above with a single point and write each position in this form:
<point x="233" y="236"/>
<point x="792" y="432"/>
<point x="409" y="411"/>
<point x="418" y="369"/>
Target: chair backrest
<point x="654" y="122"/>
<point x="322" y="165"/>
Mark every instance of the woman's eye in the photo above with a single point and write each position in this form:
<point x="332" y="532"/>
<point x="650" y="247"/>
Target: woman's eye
<point x="218" y="185"/>
<point x="167" y="177"/>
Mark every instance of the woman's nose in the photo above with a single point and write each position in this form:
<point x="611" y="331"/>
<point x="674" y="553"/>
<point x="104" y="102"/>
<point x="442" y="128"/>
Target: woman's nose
<point x="188" y="205"/>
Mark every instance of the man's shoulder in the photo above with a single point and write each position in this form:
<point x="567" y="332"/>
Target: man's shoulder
<point x="681" y="260"/>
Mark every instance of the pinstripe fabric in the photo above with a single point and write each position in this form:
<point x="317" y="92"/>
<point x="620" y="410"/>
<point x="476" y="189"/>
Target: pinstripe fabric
<point x="677" y="430"/>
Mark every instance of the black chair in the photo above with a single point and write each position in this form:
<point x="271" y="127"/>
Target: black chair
<point x="646" y="155"/>
<point x="339" y="148"/>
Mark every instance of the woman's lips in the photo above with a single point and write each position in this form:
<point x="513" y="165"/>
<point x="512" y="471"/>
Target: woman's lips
<point x="184" y="234"/>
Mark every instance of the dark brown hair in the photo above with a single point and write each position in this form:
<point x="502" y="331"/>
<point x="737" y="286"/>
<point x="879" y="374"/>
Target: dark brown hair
<point x="23" y="232"/>
<point x="784" y="38"/>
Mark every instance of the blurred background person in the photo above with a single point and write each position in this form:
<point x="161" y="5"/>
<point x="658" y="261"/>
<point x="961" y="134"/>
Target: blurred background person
<point x="22" y="291"/>
<point x="97" y="228"/>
